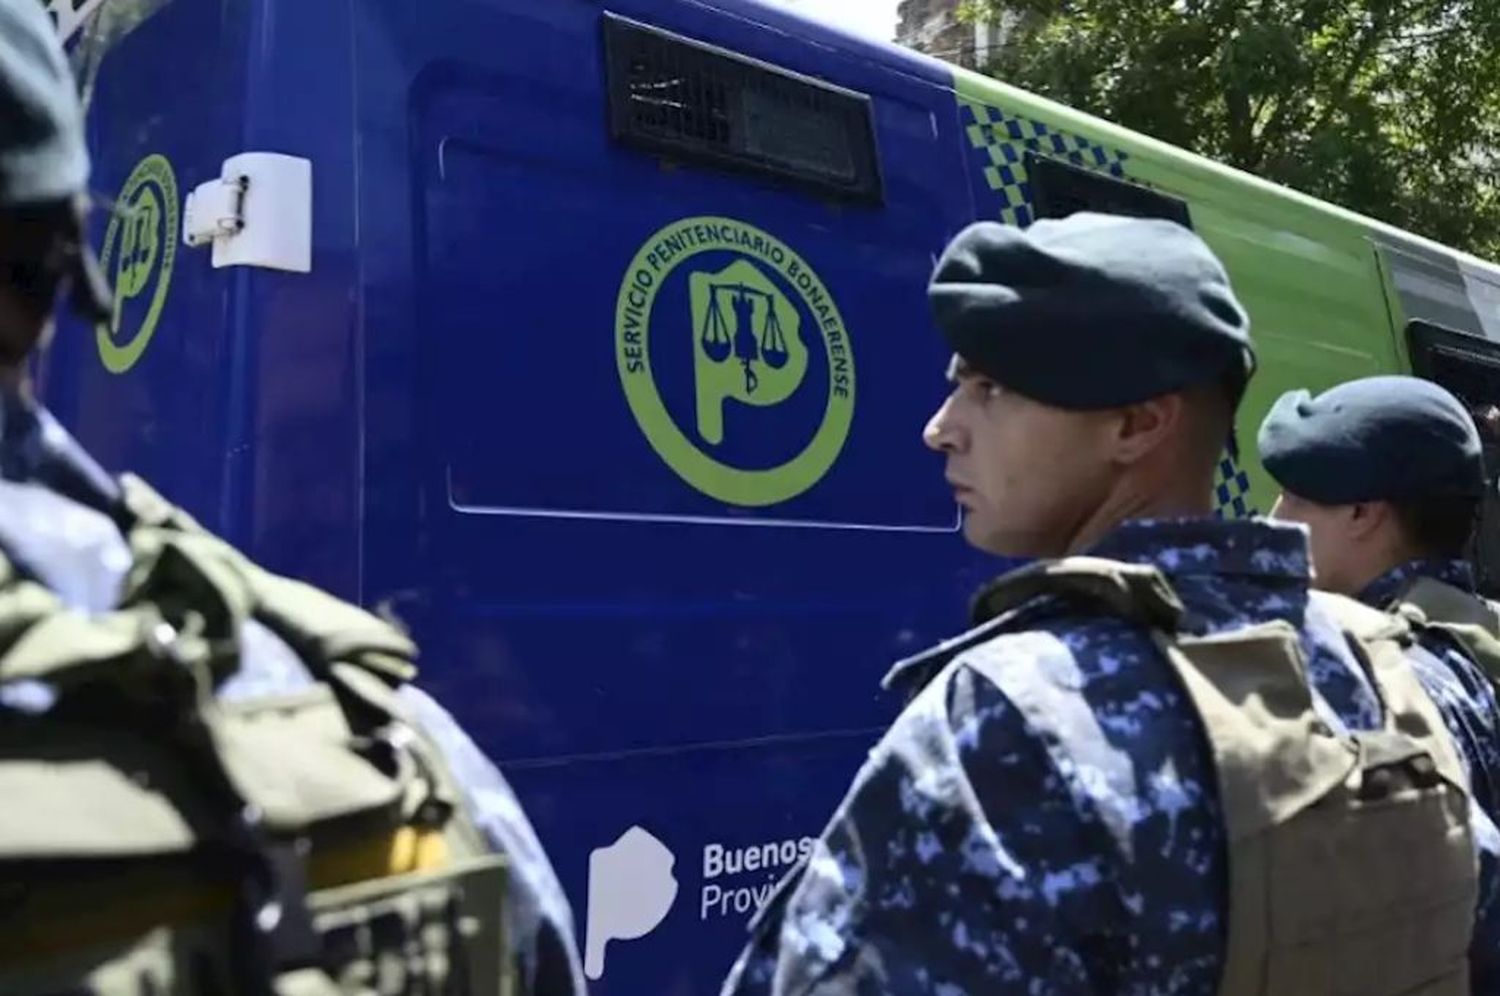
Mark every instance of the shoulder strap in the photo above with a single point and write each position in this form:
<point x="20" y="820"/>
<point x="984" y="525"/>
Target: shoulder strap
<point x="1469" y="621"/>
<point x="1381" y="639"/>
<point x="1135" y="592"/>
<point x="1362" y="622"/>
<point x="1443" y="603"/>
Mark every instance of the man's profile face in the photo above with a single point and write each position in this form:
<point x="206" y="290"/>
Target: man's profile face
<point x="1027" y="475"/>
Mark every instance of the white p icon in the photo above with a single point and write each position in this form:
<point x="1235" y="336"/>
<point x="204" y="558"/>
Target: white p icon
<point x="631" y="889"/>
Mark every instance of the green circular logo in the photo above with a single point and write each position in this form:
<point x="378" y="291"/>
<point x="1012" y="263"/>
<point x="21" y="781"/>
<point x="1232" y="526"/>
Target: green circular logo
<point x="140" y="247"/>
<point x="748" y="349"/>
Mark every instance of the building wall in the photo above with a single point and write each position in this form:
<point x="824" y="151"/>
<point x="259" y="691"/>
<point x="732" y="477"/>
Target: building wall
<point x="932" y="26"/>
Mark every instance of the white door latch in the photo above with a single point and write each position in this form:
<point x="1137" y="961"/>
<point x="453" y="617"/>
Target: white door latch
<point x="257" y="213"/>
<point x="216" y="210"/>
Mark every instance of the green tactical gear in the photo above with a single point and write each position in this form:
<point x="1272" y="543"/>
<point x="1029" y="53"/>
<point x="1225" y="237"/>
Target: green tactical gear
<point x="1463" y="617"/>
<point x="157" y="840"/>
<point x="1352" y="869"/>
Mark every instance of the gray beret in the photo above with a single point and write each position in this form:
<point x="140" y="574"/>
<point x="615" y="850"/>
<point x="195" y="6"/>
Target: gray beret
<point x="1375" y="439"/>
<point x="1090" y="312"/>
<point x="42" y="154"/>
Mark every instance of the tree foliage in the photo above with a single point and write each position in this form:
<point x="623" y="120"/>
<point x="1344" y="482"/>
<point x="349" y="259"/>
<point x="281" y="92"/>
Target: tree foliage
<point x="1388" y="107"/>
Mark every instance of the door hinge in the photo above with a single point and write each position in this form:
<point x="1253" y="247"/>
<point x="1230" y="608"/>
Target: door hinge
<point x="257" y="213"/>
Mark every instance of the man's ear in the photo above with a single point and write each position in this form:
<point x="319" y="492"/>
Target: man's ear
<point x="1140" y="429"/>
<point x="1365" y="518"/>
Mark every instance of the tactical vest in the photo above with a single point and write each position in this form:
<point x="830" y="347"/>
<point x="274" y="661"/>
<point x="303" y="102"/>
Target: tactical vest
<point x="156" y="840"/>
<point x="1471" y="622"/>
<point x="1352" y="869"/>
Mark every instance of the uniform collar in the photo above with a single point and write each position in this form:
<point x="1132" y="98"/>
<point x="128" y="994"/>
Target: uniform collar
<point x="1385" y="589"/>
<point x="1254" y="548"/>
<point x="1269" y="553"/>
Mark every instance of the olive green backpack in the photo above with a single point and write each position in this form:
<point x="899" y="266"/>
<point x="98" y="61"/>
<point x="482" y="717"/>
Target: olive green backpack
<point x="157" y="840"/>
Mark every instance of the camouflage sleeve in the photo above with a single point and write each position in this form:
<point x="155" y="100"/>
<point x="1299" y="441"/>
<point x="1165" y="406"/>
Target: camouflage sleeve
<point x="541" y="919"/>
<point x="1484" y="952"/>
<point x="1466" y="698"/>
<point x="965" y="859"/>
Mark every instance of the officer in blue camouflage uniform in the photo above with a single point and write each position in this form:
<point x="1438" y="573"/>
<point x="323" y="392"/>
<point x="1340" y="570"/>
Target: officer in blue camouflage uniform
<point x="1388" y="473"/>
<point x="60" y="513"/>
<point x="1099" y="363"/>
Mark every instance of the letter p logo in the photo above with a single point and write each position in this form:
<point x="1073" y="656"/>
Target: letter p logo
<point x="631" y="890"/>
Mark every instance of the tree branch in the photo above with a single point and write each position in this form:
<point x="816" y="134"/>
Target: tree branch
<point x="1363" y="52"/>
<point x="1282" y="122"/>
<point x="1240" y="124"/>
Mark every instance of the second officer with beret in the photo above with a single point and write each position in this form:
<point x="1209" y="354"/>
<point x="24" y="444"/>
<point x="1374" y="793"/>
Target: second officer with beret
<point x="1388" y="475"/>
<point x="1121" y="780"/>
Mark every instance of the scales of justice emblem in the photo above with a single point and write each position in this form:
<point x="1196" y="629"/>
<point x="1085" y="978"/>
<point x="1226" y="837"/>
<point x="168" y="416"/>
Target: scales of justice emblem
<point x="748" y="346"/>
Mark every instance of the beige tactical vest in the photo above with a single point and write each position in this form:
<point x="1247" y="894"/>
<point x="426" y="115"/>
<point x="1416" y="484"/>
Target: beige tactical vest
<point x="1470" y="621"/>
<point x="1352" y="869"/>
<point x="155" y="840"/>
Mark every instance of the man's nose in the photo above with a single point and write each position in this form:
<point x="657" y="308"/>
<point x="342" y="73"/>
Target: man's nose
<point x="941" y="434"/>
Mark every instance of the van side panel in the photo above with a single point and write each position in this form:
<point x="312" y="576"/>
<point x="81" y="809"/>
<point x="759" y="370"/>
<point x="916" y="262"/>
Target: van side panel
<point x="297" y="455"/>
<point x="234" y="390"/>
<point x="153" y="393"/>
<point x="654" y="624"/>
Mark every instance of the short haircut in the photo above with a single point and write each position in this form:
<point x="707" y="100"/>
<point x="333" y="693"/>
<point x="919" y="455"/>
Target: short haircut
<point x="1439" y="527"/>
<point x="1444" y="526"/>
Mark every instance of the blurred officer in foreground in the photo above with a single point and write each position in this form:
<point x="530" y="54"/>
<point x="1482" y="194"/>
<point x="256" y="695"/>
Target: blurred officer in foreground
<point x="1388" y="474"/>
<point x="214" y="779"/>
<point x="1124" y="779"/>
